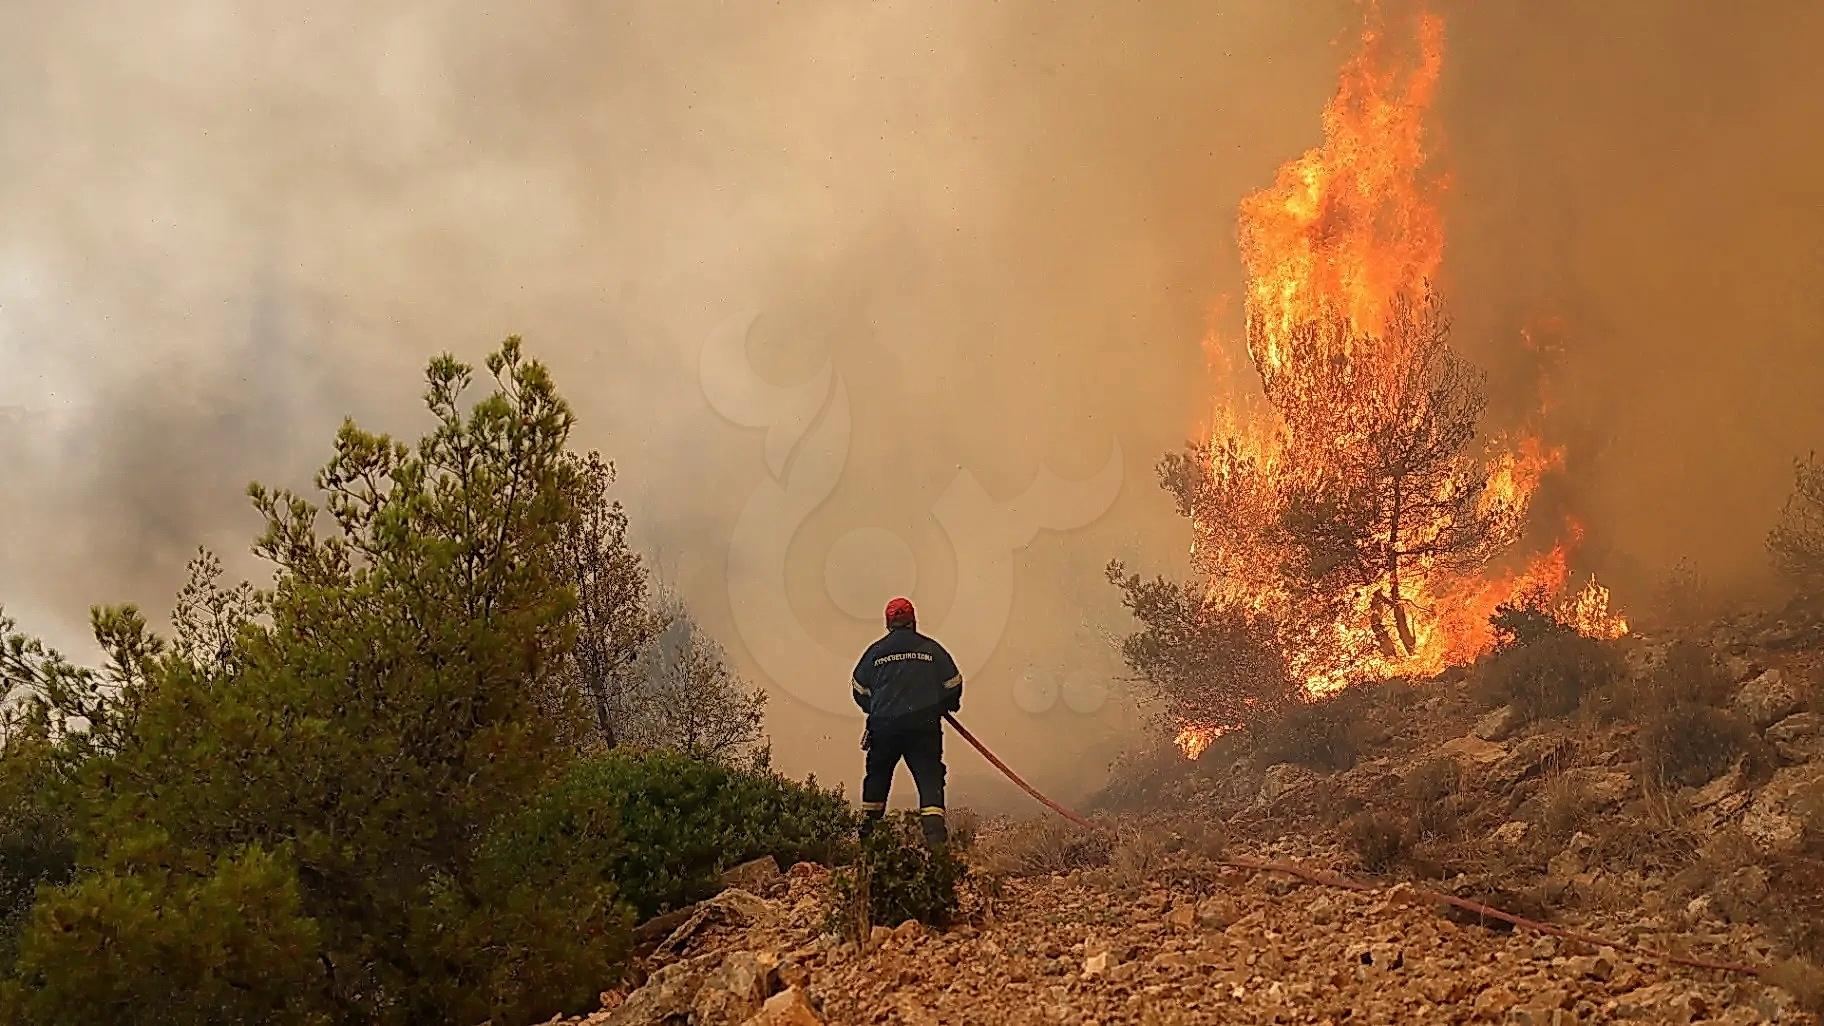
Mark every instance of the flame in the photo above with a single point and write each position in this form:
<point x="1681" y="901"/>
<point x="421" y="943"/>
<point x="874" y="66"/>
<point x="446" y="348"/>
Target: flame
<point x="1192" y="740"/>
<point x="1347" y="230"/>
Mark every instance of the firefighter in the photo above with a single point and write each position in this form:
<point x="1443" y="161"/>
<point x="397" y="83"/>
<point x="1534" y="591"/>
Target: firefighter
<point x="905" y="682"/>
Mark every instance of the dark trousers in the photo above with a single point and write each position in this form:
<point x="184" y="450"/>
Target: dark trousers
<point x="922" y="748"/>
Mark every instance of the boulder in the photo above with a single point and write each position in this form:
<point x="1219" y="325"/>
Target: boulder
<point x="1472" y="752"/>
<point x="1799" y="737"/>
<point x="1528" y="759"/>
<point x="708" y="988"/>
<point x="1603" y="788"/>
<point x="1768" y="699"/>
<point x="1511" y="833"/>
<point x="1282" y="780"/>
<point x="754" y="875"/>
<point x="1777" y="818"/>
<point x="1499" y="725"/>
<point x="733" y="907"/>
<point x="789" y="1007"/>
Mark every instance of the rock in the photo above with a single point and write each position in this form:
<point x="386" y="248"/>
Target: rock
<point x="1603" y="788"/>
<point x="1216" y="913"/>
<point x="789" y="1007"/>
<point x="708" y="988"/>
<point x="909" y="931"/>
<point x="733" y="907"/>
<point x="1799" y="737"/>
<point x="1740" y="668"/>
<point x="1595" y="967"/>
<point x="1528" y="759"/>
<point x="1768" y="699"/>
<point x="1776" y="819"/>
<point x="806" y="871"/>
<point x="1499" y="725"/>
<point x="1182" y="916"/>
<point x="1472" y="751"/>
<point x="1283" y="779"/>
<point x="1511" y="832"/>
<point x="754" y="875"/>
<point x="1095" y="965"/>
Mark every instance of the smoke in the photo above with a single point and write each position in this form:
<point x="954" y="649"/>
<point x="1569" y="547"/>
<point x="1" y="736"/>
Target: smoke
<point x="1005" y="231"/>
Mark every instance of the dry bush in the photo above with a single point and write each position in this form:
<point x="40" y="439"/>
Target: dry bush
<point x="1800" y="978"/>
<point x="1691" y="744"/>
<point x="1435" y="780"/>
<point x="1564" y="806"/>
<point x="1550" y="675"/>
<point x="1435" y="790"/>
<point x="1797" y="541"/>
<point x="1042" y="846"/>
<point x="1137" y="857"/>
<point x="1690" y="674"/>
<point x="1323" y="734"/>
<point x="1379" y="839"/>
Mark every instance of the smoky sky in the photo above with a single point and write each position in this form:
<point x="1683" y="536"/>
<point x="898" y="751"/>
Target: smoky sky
<point x="1003" y="230"/>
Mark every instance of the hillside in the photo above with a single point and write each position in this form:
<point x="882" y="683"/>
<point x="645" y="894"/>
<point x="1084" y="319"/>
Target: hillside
<point x="1574" y="820"/>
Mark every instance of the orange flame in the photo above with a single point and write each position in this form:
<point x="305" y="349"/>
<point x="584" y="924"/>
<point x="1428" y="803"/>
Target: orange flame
<point x="1344" y="231"/>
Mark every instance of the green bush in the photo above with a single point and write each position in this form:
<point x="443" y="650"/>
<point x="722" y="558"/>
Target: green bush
<point x="897" y="878"/>
<point x="1550" y="675"/>
<point x="683" y="821"/>
<point x="36" y="844"/>
<point x="323" y="815"/>
<point x="229" y="945"/>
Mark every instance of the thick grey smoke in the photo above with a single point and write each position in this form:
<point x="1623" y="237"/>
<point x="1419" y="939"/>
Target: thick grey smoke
<point x="1005" y="230"/>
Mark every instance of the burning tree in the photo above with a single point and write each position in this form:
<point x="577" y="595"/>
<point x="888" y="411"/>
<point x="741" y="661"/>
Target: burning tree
<point x="1385" y="493"/>
<point x="1352" y="512"/>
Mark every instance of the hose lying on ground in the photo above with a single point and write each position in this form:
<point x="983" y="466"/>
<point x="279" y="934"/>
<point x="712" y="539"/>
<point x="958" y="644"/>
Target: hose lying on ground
<point x="1327" y="878"/>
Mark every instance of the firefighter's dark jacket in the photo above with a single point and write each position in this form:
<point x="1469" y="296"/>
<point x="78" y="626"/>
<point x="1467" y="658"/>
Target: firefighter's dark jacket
<point x="906" y="681"/>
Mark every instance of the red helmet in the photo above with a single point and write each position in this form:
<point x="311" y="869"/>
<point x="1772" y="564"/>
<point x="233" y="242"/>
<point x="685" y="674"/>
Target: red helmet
<point x="901" y="614"/>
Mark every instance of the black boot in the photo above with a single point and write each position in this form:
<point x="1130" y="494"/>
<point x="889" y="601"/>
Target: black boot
<point x="932" y="825"/>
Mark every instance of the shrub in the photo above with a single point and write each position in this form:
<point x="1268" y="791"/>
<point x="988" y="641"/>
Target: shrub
<point x="1042" y="846"/>
<point x="1323" y="734"/>
<point x="1526" y="620"/>
<point x="896" y="878"/>
<point x="230" y="945"/>
<point x="1379" y="839"/>
<point x="36" y="842"/>
<point x="319" y="813"/>
<point x="683" y="821"/>
<point x="1435" y="791"/>
<point x="1797" y="540"/>
<point x="1692" y="744"/>
<point x="1549" y="675"/>
<point x="1690" y="673"/>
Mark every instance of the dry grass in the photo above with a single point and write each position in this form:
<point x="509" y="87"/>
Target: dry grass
<point x="1041" y="846"/>
<point x="1803" y="980"/>
<point x="1380" y="839"/>
<point x="1565" y="805"/>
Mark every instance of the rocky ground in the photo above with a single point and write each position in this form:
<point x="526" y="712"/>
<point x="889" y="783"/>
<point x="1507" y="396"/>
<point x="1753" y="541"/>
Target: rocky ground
<point x="1203" y="945"/>
<point x="1546" y="819"/>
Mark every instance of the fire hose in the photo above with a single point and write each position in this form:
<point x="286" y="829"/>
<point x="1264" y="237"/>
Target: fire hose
<point x="1417" y="895"/>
